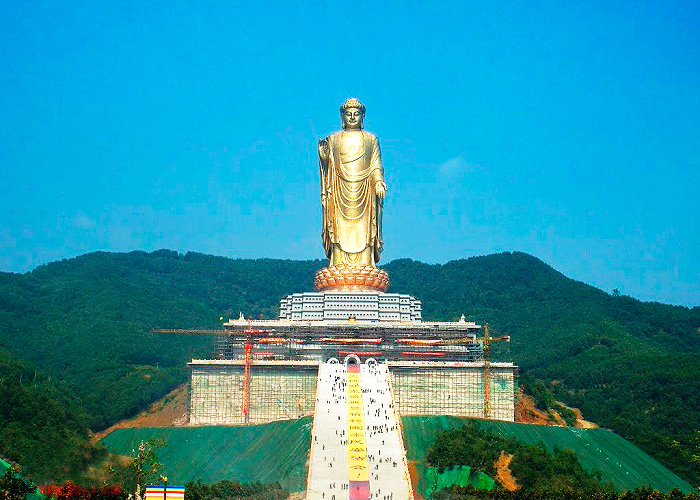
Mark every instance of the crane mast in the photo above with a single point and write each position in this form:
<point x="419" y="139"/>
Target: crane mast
<point x="246" y="374"/>
<point x="487" y="339"/>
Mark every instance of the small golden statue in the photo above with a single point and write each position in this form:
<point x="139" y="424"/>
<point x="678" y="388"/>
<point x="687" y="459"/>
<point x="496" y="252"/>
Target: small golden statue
<point x="352" y="196"/>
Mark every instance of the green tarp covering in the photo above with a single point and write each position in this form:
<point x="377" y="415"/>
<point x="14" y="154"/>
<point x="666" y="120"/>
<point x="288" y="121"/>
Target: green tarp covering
<point x="278" y="451"/>
<point x="460" y="476"/>
<point x="274" y="452"/>
<point x="619" y="461"/>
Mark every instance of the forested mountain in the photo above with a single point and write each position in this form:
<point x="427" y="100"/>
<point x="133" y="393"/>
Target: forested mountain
<point x="631" y="366"/>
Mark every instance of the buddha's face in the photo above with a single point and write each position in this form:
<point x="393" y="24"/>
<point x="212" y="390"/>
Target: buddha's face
<point x="352" y="119"/>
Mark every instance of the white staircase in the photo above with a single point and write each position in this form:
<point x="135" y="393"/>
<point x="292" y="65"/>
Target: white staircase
<point x="379" y="452"/>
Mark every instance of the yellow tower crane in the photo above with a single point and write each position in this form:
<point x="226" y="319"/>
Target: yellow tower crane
<point x="486" y="339"/>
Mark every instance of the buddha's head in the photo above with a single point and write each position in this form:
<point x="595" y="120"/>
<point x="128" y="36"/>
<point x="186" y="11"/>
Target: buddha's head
<point x="352" y="113"/>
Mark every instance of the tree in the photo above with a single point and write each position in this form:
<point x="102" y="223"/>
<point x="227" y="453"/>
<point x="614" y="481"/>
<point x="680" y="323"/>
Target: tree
<point x="144" y="467"/>
<point x="13" y="487"/>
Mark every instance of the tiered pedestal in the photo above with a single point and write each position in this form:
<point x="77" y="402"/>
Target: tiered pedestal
<point x="351" y="278"/>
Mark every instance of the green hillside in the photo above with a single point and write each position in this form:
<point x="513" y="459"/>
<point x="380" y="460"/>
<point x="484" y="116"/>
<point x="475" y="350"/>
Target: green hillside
<point x="278" y="451"/>
<point x="41" y="426"/>
<point x="631" y="366"/>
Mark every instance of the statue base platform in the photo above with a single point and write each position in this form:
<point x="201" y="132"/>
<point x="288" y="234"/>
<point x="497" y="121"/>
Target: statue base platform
<point x="351" y="278"/>
<point x="351" y="307"/>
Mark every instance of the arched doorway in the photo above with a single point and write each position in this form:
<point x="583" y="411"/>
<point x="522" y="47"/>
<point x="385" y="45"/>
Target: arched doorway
<point x="351" y="359"/>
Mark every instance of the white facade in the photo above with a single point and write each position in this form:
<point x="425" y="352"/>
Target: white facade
<point x="342" y="305"/>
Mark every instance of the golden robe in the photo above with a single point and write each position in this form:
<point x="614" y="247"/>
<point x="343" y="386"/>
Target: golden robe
<point x="351" y="167"/>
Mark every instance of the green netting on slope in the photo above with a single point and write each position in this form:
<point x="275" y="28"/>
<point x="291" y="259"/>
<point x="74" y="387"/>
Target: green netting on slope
<point x="461" y="476"/>
<point x="278" y="451"/>
<point x="618" y="460"/>
<point x="274" y="452"/>
<point x="31" y="496"/>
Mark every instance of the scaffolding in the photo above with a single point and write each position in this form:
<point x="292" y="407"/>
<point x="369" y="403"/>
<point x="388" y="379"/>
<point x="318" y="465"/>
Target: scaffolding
<point x="266" y="370"/>
<point x="285" y="390"/>
<point x="276" y="392"/>
<point x="453" y="389"/>
<point x="382" y="344"/>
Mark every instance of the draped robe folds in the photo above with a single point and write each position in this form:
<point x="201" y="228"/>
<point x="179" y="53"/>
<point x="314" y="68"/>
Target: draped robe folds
<point x="352" y="211"/>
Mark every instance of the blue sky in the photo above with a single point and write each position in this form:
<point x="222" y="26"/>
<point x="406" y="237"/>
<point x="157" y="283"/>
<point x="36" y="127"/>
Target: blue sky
<point x="568" y="130"/>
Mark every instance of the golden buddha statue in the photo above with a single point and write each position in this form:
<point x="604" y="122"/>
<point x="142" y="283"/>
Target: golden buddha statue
<point x="352" y="195"/>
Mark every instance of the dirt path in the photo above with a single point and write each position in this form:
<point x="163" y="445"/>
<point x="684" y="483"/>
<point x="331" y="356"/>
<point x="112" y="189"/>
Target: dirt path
<point x="527" y="412"/>
<point x="167" y="411"/>
<point x="503" y="473"/>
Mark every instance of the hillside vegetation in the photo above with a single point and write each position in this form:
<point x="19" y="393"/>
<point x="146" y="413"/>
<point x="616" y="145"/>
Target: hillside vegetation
<point x="600" y="452"/>
<point x="40" y="424"/>
<point x="533" y="467"/>
<point x="630" y="366"/>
